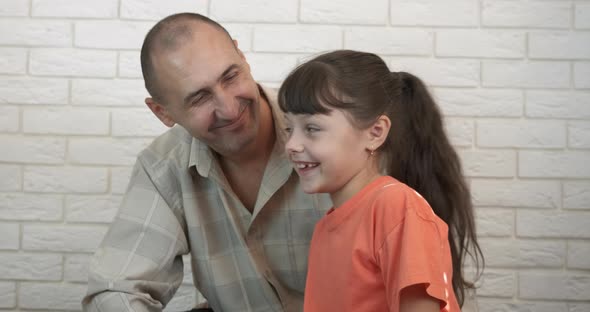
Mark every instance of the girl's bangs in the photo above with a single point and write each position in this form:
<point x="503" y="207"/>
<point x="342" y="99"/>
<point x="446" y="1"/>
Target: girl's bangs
<point x="309" y="89"/>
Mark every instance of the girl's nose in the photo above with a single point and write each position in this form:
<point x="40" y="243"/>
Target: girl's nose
<point x="293" y="145"/>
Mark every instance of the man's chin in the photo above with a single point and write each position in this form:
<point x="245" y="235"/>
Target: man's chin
<point x="231" y="148"/>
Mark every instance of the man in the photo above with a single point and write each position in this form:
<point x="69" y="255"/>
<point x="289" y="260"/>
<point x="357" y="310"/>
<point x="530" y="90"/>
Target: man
<point x="217" y="186"/>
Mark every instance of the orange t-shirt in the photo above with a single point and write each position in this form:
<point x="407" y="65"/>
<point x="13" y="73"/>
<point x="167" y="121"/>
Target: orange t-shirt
<point x="385" y="238"/>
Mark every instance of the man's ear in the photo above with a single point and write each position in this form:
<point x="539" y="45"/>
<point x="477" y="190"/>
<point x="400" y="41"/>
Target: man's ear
<point x="378" y="132"/>
<point x="161" y="111"/>
<point x="238" y="49"/>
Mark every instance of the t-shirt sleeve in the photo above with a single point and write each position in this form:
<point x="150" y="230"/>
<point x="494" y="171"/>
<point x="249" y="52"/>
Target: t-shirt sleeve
<point x="416" y="251"/>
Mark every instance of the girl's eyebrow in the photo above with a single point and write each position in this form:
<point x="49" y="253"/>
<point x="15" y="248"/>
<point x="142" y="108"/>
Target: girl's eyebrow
<point x="303" y="116"/>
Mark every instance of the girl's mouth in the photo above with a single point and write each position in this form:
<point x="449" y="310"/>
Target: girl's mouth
<point x="303" y="166"/>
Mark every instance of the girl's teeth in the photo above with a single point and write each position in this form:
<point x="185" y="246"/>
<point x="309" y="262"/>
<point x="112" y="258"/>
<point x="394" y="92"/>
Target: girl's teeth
<point x="304" y="166"/>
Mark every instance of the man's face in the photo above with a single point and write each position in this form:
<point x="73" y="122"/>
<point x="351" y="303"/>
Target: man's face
<point x="207" y="88"/>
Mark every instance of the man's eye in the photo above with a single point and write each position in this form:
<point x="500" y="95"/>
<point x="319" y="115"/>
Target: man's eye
<point x="231" y="77"/>
<point x="200" y="99"/>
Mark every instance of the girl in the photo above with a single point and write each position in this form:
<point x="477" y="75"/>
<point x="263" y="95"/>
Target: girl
<point x="369" y="138"/>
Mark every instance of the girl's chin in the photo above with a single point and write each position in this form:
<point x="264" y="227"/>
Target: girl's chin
<point x="313" y="189"/>
<point x="310" y="189"/>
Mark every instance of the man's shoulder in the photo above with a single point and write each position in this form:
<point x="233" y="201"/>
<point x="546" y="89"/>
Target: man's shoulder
<point x="173" y="145"/>
<point x="271" y="94"/>
<point x="164" y="163"/>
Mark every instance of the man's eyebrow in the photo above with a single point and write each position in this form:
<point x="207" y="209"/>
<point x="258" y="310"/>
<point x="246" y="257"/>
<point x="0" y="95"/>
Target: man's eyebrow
<point x="229" y="69"/>
<point x="191" y="95"/>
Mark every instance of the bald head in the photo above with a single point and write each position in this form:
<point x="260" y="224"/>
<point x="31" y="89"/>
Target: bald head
<point x="168" y="35"/>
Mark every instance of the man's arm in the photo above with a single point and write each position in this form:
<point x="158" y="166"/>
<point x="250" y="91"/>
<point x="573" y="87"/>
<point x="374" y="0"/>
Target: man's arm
<point x="138" y="266"/>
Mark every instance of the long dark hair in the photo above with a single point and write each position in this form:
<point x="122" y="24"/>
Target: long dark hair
<point x="417" y="151"/>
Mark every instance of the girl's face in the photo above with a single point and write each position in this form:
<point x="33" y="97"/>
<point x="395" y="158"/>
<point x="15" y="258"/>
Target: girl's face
<point x="330" y="154"/>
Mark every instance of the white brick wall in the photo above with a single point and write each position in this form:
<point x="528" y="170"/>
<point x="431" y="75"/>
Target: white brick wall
<point x="13" y="60"/>
<point x="66" y="120"/>
<point x="344" y="12"/>
<point x="571" y="45"/>
<point x="34" y="32"/>
<point x="155" y="9"/>
<point x="497" y="283"/>
<point x="560" y="224"/>
<point x="267" y="11"/>
<point x="72" y="62"/>
<point x="59" y="296"/>
<point x="520" y="133"/>
<point x="582" y="75"/>
<point x="526" y="74"/>
<point x="512" y="78"/>
<point x="480" y="102"/>
<point x="579" y="134"/>
<point x="108" y="92"/>
<point x="296" y="38"/>
<point x="578" y="254"/>
<point x="480" y="43"/>
<point x="576" y="195"/>
<point x="7" y="295"/>
<point x="516" y="193"/>
<point x="11" y="178"/>
<point x="494" y="222"/>
<point x="9" y="118"/>
<point x="533" y="285"/>
<point x="522" y="13"/>
<point x="75" y="8"/>
<point x="31" y="207"/>
<point x="558" y="104"/>
<point x="30" y="266"/>
<point x="10" y="237"/>
<point x="389" y="41"/>
<point x="14" y="8"/>
<point x="523" y="253"/>
<point x="434" y="13"/>
<point x="582" y="15"/>
<point x="28" y="90"/>
<point x="32" y="149"/>
<point x="441" y="72"/>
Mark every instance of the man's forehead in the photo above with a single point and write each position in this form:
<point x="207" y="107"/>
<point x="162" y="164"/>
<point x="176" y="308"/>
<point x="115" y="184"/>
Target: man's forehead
<point x="177" y="35"/>
<point x="203" y="46"/>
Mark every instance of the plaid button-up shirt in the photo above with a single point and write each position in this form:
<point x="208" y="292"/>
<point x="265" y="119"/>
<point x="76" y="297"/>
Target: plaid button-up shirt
<point x="178" y="202"/>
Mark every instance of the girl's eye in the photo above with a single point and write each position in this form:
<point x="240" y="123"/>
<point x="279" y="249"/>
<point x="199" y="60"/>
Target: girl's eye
<point x="311" y="129"/>
<point x="288" y="131"/>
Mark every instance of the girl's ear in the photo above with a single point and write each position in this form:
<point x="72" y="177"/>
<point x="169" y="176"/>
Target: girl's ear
<point x="378" y="132"/>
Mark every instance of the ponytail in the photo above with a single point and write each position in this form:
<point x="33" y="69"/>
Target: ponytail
<point x="423" y="158"/>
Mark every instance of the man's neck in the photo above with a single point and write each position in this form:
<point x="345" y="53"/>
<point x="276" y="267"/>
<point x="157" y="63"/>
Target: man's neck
<point x="245" y="172"/>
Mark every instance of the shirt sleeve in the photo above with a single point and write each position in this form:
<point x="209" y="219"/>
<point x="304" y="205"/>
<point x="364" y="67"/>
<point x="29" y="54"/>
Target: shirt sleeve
<point x="415" y="252"/>
<point x="138" y="266"/>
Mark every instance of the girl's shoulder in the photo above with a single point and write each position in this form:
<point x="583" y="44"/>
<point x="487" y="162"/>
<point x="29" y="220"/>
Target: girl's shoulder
<point x="395" y="200"/>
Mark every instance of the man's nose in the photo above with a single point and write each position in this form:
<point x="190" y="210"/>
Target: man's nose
<point x="227" y="107"/>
